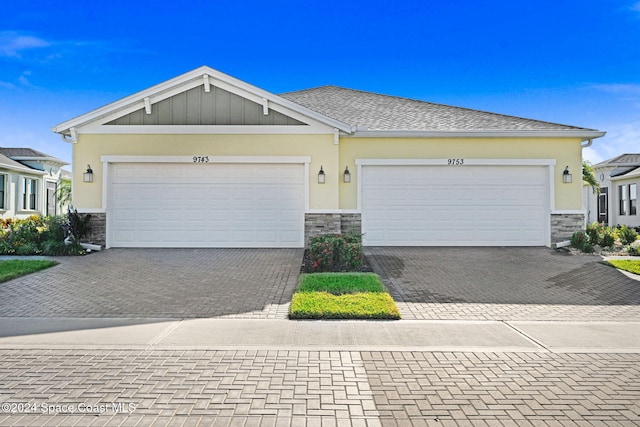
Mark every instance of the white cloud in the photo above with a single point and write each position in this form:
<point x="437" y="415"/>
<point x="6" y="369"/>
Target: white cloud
<point x="620" y="139"/>
<point x="13" y="43"/>
<point x="628" y="89"/>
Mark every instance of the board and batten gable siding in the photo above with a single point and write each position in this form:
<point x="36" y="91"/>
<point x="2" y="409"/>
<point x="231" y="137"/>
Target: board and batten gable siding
<point x="198" y="107"/>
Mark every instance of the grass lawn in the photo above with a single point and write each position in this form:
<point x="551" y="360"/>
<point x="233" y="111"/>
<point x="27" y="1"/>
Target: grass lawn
<point x="630" y="265"/>
<point x="12" y="268"/>
<point x="342" y="296"/>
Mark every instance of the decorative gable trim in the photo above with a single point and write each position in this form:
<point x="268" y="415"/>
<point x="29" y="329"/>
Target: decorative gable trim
<point x="206" y="77"/>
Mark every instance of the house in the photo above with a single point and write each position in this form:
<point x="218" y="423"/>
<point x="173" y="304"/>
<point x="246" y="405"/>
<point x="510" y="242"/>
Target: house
<point x="207" y="160"/>
<point x="28" y="183"/>
<point x="617" y="202"/>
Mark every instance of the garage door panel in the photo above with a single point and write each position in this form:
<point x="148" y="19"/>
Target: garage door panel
<point x="206" y="205"/>
<point x="443" y="206"/>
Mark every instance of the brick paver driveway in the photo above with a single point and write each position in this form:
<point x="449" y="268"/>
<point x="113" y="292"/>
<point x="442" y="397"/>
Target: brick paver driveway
<point x="504" y="284"/>
<point x="159" y="283"/>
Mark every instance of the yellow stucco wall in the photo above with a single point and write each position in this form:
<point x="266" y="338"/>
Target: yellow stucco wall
<point x="334" y="194"/>
<point x="91" y="147"/>
<point x="567" y="152"/>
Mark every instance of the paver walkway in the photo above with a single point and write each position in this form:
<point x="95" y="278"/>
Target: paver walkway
<point x="162" y="283"/>
<point x="318" y="388"/>
<point x="504" y="284"/>
<point x="84" y="379"/>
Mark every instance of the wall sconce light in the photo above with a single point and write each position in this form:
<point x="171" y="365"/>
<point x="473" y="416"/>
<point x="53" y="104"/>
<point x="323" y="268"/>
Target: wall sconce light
<point x="88" y="175"/>
<point x="566" y="176"/>
<point x="321" y="176"/>
<point x="347" y="175"/>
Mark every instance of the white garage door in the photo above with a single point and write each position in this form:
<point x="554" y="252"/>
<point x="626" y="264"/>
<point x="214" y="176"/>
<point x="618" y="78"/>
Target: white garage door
<point x="455" y="206"/>
<point x="206" y="205"/>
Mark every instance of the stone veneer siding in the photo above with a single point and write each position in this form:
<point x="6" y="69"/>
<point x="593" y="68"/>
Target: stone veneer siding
<point x="98" y="228"/>
<point x="316" y="224"/>
<point x="564" y="225"/>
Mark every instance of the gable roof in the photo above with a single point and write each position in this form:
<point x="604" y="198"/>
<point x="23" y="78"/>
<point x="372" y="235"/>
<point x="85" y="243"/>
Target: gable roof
<point x="621" y="160"/>
<point x="7" y="163"/>
<point x="353" y="112"/>
<point x="18" y="153"/>
<point x="376" y="112"/>
<point x="204" y="75"/>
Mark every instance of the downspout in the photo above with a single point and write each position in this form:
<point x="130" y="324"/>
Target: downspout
<point x="588" y="144"/>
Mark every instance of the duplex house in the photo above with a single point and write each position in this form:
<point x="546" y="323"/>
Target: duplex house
<point x="617" y="201"/>
<point x="28" y="183"/>
<point x="207" y="160"/>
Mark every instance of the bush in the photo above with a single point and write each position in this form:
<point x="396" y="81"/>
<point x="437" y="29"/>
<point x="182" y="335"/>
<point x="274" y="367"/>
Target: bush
<point x="36" y="236"/>
<point x="579" y="240"/>
<point x="335" y="252"/>
<point x="601" y="235"/>
<point x="634" y="250"/>
<point x="627" y="235"/>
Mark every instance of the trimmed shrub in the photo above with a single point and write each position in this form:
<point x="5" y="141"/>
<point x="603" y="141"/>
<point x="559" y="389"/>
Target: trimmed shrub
<point x="601" y="235"/>
<point x="335" y="252"/>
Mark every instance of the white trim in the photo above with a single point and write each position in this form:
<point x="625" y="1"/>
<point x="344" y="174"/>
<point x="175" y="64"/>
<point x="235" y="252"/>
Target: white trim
<point x="212" y="159"/>
<point x="578" y="133"/>
<point x="147" y="105"/>
<point x="207" y="83"/>
<point x="206" y="129"/>
<point x="106" y="160"/>
<point x="332" y="211"/>
<point x="91" y="210"/>
<point x="265" y="106"/>
<point x="188" y="81"/>
<point x="5" y="192"/>
<point x="445" y="162"/>
<point x="548" y="163"/>
<point x="307" y="181"/>
<point x="568" y="212"/>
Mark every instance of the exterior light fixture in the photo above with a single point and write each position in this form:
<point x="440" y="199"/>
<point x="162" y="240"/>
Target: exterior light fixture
<point x="347" y="175"/>
<point x="566" y="176"/>
<point x="321" y="176"/>
<point x="88" y="175"/>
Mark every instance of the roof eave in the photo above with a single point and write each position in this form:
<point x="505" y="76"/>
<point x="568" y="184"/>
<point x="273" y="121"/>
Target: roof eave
<point x="39" y="159"/>
<point x="577" y="133"/>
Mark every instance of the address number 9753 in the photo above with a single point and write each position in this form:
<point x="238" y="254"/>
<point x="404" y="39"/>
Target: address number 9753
<point x="455" y="162"/>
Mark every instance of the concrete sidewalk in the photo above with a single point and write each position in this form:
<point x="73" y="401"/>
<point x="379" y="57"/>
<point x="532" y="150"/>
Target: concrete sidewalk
<point x="404" y="335"/>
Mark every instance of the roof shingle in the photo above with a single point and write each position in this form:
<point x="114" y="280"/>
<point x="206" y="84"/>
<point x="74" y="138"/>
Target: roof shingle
<point x="372" y="111"/>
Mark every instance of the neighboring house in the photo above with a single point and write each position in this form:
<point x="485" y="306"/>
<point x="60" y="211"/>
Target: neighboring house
<point x="206" y="160"/>
<point x="617" y="202"/>
<point x="28" y="183"/>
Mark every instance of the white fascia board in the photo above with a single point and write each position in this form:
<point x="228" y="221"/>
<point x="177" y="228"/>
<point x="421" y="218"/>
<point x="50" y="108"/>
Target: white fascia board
<point x="205" y="130"/>
<point x="445" y="162"/>
<point x="212" y="159"/>
<point x="22" y="169"/>
<point x="185" y="82"/>
<point x="40" y="159"/>
<point x="584" y="134"/>
<point x="630" y="175"/>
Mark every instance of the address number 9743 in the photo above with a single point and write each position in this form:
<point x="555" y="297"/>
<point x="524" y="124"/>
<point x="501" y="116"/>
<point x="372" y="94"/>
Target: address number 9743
<point x="200" y="159"/>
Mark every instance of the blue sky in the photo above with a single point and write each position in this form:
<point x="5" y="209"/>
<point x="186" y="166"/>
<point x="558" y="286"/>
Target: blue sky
<point x="571" y="62"/>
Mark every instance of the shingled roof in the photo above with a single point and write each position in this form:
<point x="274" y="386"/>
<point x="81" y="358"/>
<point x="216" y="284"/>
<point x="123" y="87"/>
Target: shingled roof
<point x="18" y="153"/>
<point x="622" y="160"/>
<point x="377" y="112"/>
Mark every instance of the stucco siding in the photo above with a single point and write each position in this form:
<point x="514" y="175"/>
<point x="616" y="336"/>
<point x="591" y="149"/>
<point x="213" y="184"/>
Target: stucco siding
<point x="321" y="149"/>
<point x="566" y="152"/>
